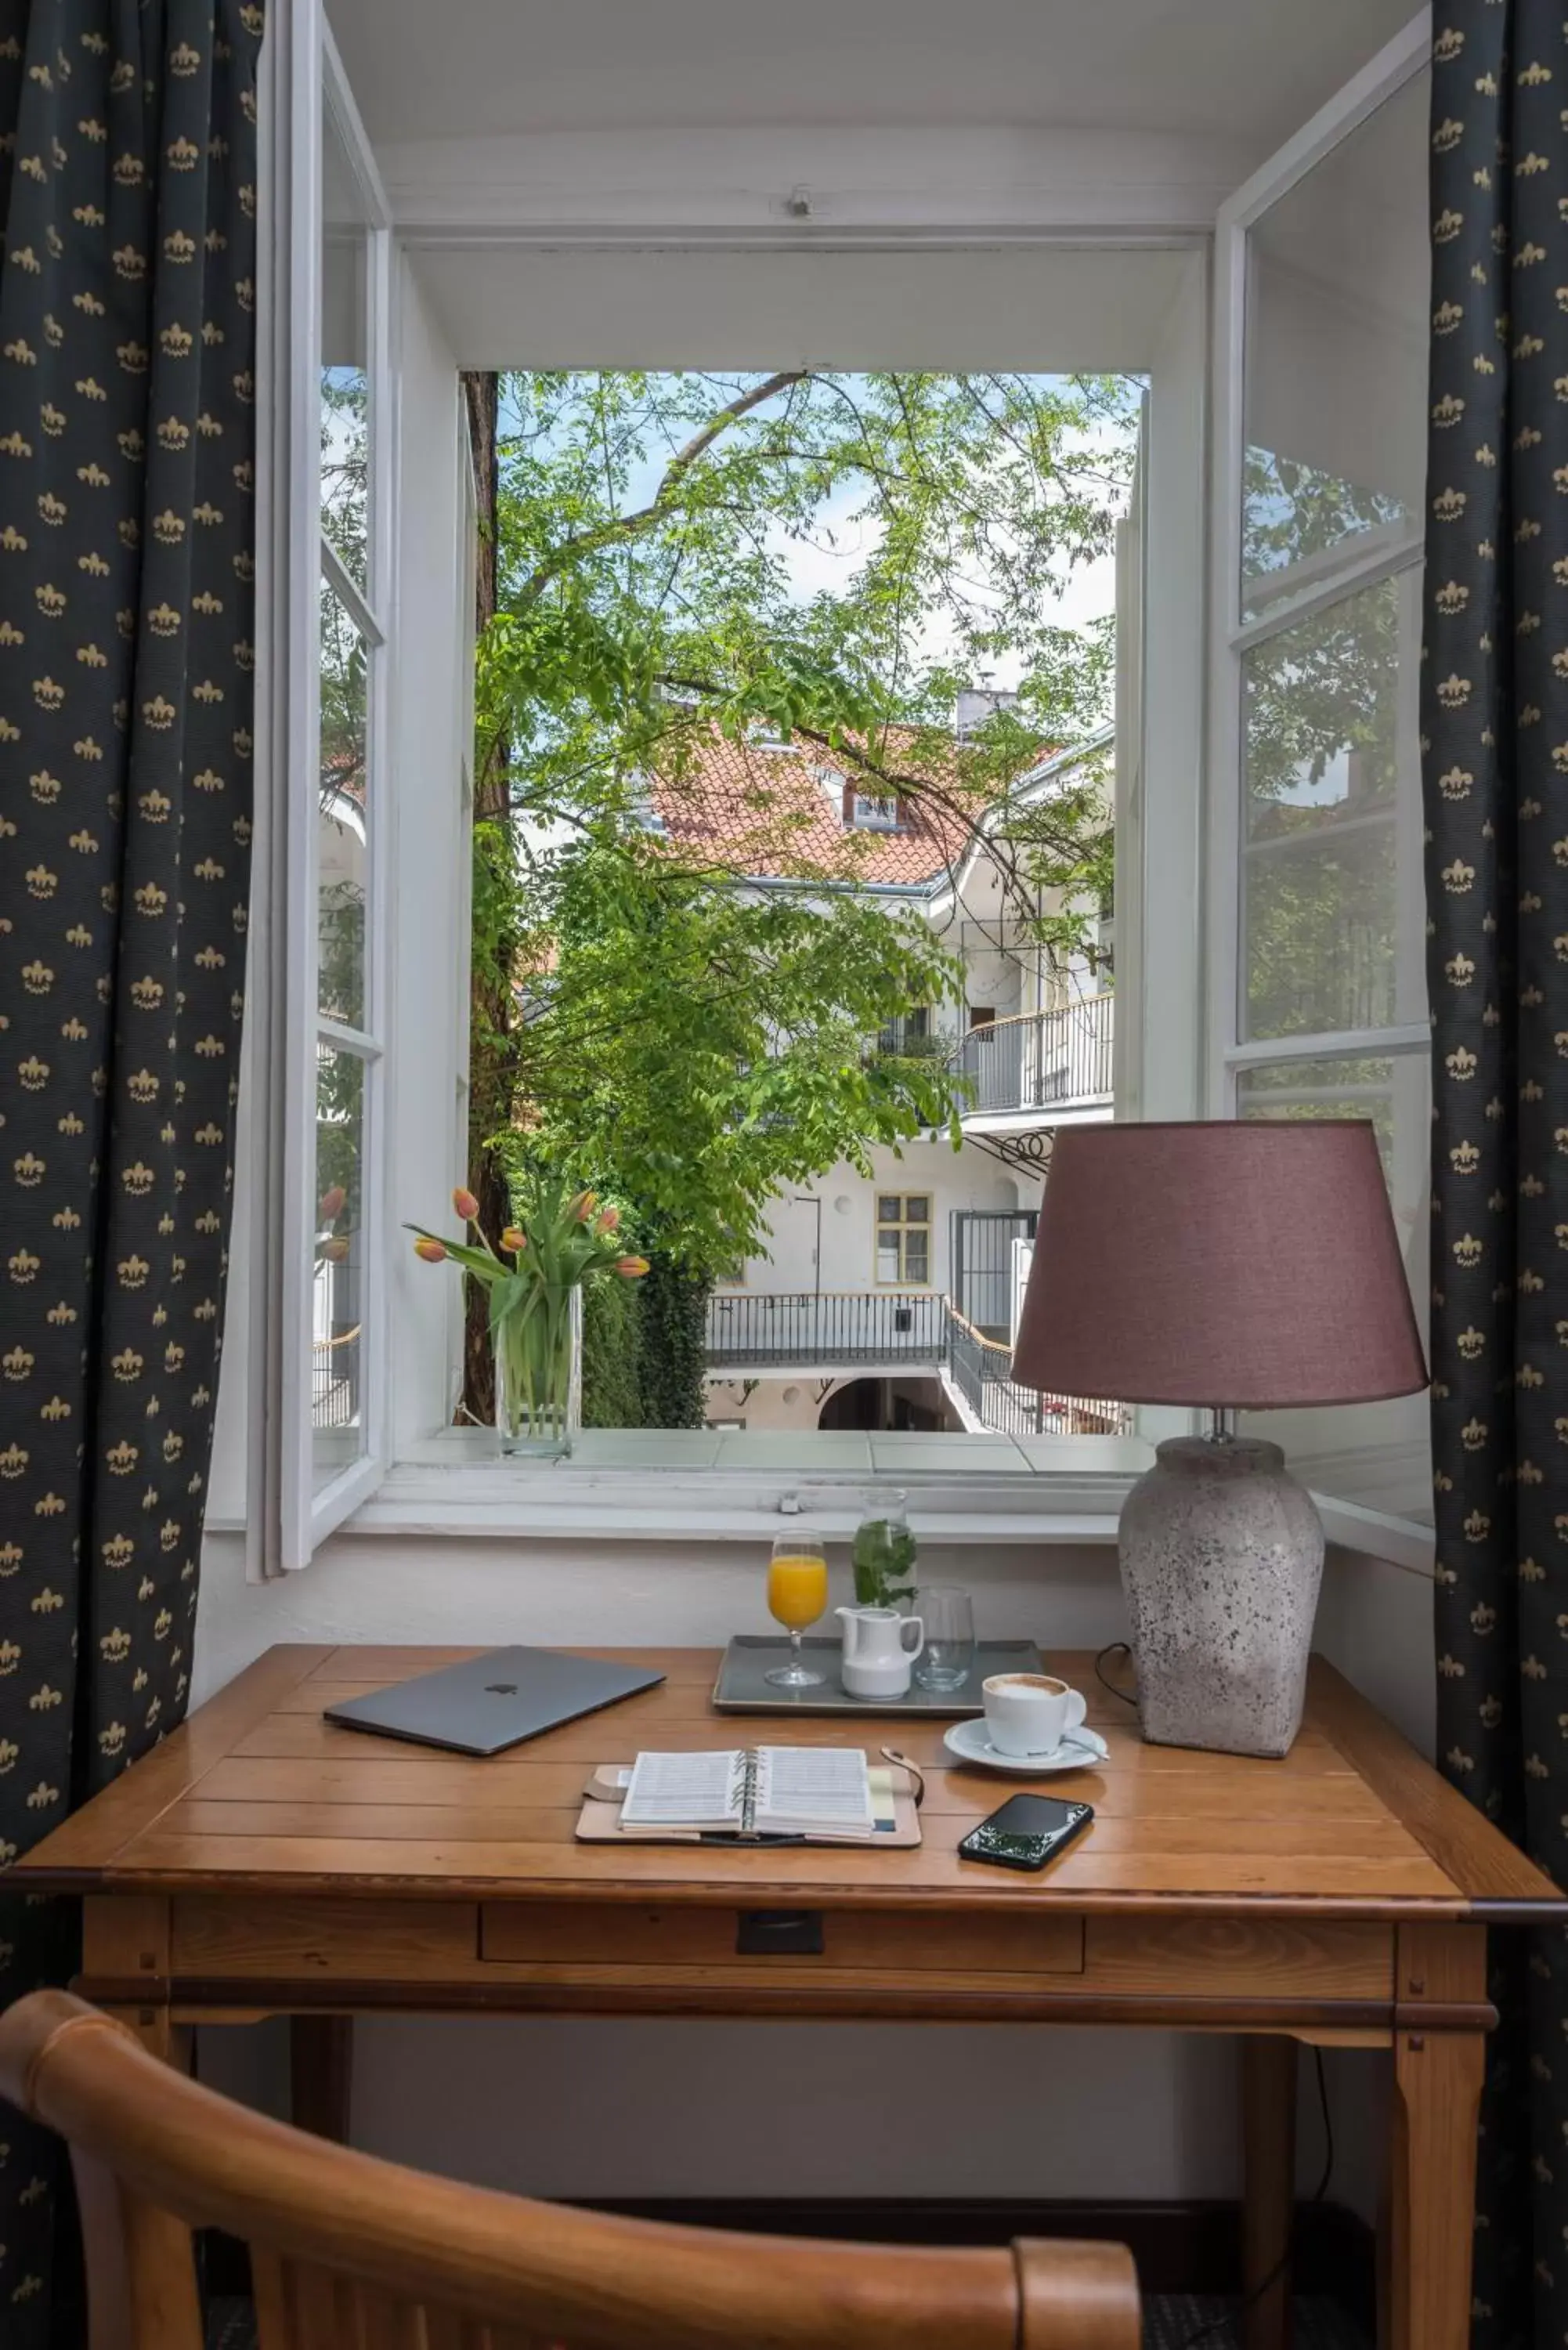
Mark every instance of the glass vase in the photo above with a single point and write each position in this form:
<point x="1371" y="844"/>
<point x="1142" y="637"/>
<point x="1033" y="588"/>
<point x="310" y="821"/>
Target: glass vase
<point x="884" y="1554"/>
<point x="539" y="1376"/>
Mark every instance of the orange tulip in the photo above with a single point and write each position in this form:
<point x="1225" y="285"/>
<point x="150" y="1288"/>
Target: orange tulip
<point x="514" y="1239"/>
<point x="583" y="1206"/>
<point x="466" y="1205"/>
<point x="334" y="1251"/>
<point x="330" y="1207"/>
<point x="608" y="1219"/>
<point x="431" y="1251"/>
<point x="631" y="1267"/>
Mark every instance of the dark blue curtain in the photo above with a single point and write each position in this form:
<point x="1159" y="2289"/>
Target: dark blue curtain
<point x="1495" y="755"/>
<point x="127" y="569"/>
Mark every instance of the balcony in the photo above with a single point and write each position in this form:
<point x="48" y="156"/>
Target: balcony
<point x="881" y="1329"/>
<point x="979" y="1376"/>
<point x="1058" y="1061"/>
<point x="896" y="1329"/>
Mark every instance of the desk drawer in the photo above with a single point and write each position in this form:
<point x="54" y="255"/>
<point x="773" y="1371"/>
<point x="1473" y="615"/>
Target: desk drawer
<point x="889" y="1941"/>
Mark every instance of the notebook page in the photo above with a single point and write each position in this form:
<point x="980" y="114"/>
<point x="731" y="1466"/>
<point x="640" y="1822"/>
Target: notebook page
<point x="671" y="1791"/>
<point x="805" y="1788"/>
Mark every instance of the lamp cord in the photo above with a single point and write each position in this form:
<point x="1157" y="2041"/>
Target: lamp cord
<point x="1214" y="2325"/>
<point x="1114" y="1649"/>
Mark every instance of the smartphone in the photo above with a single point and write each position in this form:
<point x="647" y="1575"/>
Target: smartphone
<point x="1027" y="1832"/>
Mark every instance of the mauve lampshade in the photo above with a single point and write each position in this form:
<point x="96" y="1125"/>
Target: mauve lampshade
<point x="1251" y="1264"/>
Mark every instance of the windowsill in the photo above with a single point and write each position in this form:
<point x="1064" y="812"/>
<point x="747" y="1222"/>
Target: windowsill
<point x="732" y="1485"/>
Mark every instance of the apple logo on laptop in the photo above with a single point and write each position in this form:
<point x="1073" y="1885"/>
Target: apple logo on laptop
<point x="500" y="1688"/>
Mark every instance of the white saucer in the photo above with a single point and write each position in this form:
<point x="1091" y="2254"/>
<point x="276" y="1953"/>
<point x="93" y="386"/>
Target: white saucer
<point x="1081" y="1750"/>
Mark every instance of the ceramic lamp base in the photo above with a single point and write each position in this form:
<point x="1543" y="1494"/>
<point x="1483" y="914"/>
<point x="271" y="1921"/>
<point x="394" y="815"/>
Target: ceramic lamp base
<point x="1221" y="1558"/>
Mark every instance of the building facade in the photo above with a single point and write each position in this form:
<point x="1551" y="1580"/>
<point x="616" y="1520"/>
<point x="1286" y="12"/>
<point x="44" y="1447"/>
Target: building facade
<point x="887" y="1299"/>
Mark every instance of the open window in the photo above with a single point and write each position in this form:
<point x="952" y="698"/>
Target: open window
<point x="1317" y="928"/>
<point x="331" y="540"/>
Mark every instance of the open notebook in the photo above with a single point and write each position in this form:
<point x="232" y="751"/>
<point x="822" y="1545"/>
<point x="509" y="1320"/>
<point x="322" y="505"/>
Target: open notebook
<point x="753" y="1791"/>
<point x="788" y="1794"/>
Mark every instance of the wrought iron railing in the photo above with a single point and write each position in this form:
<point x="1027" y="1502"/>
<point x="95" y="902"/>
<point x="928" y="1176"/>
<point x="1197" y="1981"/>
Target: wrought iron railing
<point x="981" y="1371"/>
<point x="334" y="1381"/>
<point x="1038" y="1060"/>
<point x="892" y="1329"/>
<point x="878" y="1327"/>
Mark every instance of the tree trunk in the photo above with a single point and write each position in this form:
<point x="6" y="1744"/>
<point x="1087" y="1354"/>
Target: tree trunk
<point x="490" y="993"/>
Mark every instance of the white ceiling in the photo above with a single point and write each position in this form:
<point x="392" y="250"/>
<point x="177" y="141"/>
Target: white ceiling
<point x="480" y="68"/>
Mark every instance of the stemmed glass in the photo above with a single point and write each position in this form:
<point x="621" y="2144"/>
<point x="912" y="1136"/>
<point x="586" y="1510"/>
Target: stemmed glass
<point x="798" y="1595"/>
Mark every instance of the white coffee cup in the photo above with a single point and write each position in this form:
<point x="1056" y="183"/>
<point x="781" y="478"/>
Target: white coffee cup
<point x="1030" y="1713"/>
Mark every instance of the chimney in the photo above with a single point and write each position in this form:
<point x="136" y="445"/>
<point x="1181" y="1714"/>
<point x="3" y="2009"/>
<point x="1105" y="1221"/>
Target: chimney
<point x="976" y="703"/>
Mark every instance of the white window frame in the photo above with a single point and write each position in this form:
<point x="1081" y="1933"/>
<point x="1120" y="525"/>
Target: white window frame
<point x="1330" y="579"/>
<point x="1338" y="575"/>
<point x="307" y="78"/>
<point x="903" y="1227"/>
<point x="727" y="1485"/>
<point x="1060" y="1489"/>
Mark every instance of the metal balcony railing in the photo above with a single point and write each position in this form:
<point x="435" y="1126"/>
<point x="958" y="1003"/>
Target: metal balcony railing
<point x="1038" y="1060"/>
<point x="980" y="1370"/>
<point x="890" y="1330"/>
<point x="872" y="1327"/>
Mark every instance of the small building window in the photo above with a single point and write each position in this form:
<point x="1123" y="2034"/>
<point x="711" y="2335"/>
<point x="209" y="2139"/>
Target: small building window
<point x="904" y="1240"/>
<point x="874" y="811"/>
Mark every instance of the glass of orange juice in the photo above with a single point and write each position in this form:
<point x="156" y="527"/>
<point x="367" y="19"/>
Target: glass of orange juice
<point x="798" y="1595"/>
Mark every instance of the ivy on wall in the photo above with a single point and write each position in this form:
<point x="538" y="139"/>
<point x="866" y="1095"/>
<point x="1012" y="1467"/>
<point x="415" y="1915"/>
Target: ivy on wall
<point x="612" y="1355"/>
<point x="672" y="1306"/>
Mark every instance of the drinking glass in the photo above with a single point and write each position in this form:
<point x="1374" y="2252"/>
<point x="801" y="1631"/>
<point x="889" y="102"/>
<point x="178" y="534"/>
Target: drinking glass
<point x="946" y="1659"/>
<point x="798" y="1595"/>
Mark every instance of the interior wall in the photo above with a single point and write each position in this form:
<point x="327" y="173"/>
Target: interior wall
<point x="1041" y="306"/>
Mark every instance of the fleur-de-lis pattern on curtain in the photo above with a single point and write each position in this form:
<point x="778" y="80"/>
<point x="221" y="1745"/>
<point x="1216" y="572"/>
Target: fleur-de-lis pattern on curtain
<point x="1495" y="761"/>
<point x="127" y="568"/>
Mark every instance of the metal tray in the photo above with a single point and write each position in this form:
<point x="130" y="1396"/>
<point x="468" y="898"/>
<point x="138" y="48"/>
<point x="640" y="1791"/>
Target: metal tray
<point x="740" y="1688"/>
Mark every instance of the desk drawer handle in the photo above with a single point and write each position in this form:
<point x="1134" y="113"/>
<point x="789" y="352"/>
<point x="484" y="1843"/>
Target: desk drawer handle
<point x="779" y="1933"/>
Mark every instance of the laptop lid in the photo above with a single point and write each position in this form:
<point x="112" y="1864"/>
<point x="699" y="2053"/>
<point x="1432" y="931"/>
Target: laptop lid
<point x="494" y="1701"/>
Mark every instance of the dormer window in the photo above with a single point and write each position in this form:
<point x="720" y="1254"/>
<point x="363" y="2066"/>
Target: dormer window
<point x="873" y="811"/>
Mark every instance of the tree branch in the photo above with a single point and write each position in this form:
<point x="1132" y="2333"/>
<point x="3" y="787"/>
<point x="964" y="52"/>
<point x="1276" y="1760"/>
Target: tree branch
<point x="607" y="534"/>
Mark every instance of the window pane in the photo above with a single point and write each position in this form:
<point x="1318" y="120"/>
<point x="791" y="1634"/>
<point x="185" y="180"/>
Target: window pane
<point x="888" y="1209"/>
<point x="1339" y="280"/>
<point x="916" y="1209"/>
<point x="887" y="1256"/>
<point x="336" y="1419"/>
<point x="1378" y="1454"/>
<point x="916" y="1261"/>
<point x="344" y="343"/>
<point x="1331" y="829"/>
<point x="341" y="817"/>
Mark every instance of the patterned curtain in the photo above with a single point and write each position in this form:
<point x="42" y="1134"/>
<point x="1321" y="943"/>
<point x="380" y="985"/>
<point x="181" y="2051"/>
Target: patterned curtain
<point x="1494" y="723"/>
<point x="127" y="463"/>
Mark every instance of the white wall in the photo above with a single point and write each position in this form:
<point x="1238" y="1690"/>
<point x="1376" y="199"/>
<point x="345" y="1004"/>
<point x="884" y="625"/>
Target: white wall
<point x="968" y="1178"/>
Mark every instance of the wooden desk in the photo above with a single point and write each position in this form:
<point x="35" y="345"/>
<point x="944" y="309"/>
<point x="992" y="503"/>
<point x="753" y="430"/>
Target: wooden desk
<point x="261" y="1861"/>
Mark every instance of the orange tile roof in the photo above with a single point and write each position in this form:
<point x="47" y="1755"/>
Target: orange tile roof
<point x="779" y="812"/>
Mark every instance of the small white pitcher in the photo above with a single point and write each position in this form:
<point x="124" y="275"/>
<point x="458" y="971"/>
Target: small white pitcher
<point x="878" y="1650"/>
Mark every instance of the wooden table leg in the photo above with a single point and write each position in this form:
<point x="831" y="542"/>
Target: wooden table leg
<point x="321" y="2063"/>
<point x="1431" y="2190"/>
<point x="1269" y="2186"/>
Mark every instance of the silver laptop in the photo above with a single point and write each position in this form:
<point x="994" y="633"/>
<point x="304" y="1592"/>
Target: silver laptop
<point x="494" y="1701"/>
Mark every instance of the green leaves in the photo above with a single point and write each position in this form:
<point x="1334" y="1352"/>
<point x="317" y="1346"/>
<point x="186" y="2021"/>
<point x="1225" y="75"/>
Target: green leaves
<point x="658" y="1026"/>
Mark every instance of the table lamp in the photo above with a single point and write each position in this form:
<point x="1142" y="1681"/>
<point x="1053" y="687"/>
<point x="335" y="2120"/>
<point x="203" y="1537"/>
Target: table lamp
<point x="1239" y="1266"/>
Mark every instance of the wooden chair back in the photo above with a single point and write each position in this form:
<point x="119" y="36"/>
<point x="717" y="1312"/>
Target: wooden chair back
<point x="351" y="2253"/>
